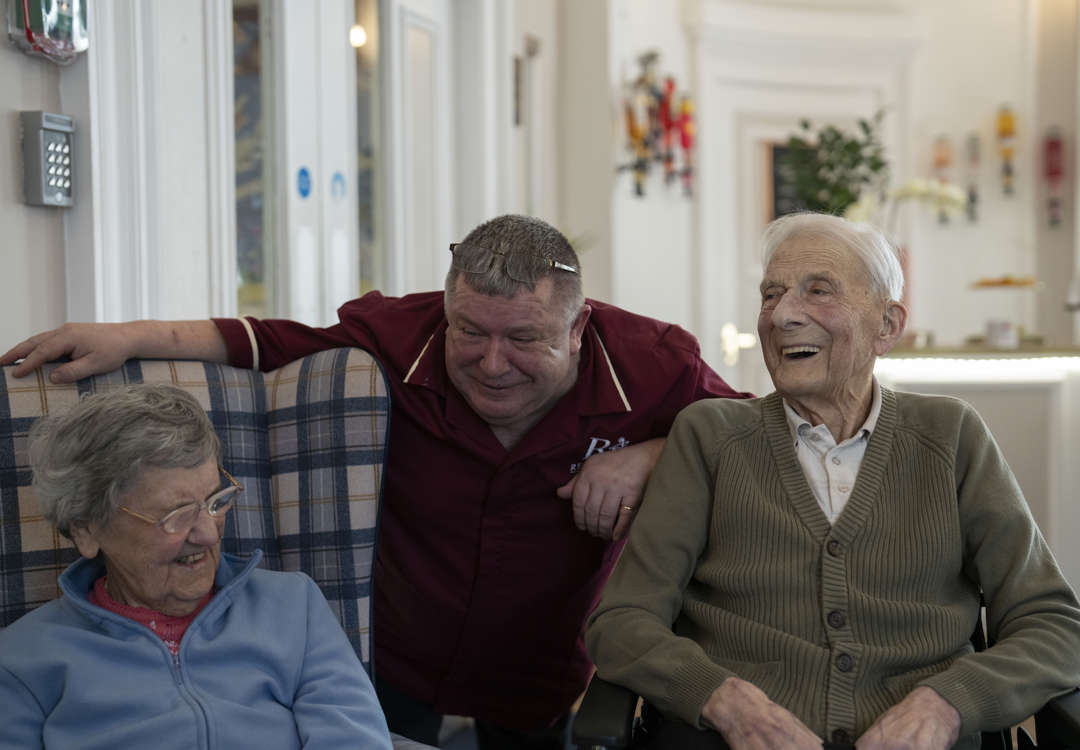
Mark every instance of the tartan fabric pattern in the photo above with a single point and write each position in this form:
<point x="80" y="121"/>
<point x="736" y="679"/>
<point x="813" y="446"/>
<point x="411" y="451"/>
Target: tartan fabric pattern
<point x="307" y="441"/>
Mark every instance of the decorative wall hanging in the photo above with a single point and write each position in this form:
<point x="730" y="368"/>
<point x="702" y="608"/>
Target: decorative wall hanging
<point x="971" y="153"/>
<point x="943" y="158"/>
<point x="1006" y="135"/>
<point x="659" y="128"/>
<point x="1054" y="172"/>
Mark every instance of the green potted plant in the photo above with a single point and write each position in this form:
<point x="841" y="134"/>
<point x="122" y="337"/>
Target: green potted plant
<point x="831" y="169"/>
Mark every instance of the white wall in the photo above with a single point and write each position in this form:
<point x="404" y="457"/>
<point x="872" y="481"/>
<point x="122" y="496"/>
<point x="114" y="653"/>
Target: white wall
<point x="976" y="57"/>
<point x="637" y="251"/>
<point x="535" y="140"/>
<point x="1056" y="82"/>
<point x="652" y="236"/>
<point x="31" y="237"/>
<point x="586" y="140"/>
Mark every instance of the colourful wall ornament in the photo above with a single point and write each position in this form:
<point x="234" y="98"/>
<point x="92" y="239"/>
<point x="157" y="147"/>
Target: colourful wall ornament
<point x="659" y="128"/>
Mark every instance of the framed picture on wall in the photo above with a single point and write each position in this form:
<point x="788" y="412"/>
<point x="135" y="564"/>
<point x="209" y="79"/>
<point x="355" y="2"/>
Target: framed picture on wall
<point x="779" y="191"/>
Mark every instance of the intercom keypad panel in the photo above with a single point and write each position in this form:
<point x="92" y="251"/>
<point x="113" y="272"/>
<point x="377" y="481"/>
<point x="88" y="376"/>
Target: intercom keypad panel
<point x="48" y="156"/>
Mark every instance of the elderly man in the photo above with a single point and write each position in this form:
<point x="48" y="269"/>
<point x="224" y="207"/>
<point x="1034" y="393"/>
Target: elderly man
<point x="808" y="566"/>
<point x="507" y="389"/>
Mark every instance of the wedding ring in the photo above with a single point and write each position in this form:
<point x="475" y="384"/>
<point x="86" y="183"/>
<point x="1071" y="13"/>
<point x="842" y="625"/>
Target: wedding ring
<point x="629" y="508"/>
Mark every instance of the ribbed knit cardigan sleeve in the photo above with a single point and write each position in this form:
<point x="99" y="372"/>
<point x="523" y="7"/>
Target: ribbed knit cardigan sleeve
<point x="1031" y="612"/>
<point x="629" y="635"/>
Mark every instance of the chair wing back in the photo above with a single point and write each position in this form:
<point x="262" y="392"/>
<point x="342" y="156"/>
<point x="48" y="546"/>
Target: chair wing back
<point x="307" y="442"/>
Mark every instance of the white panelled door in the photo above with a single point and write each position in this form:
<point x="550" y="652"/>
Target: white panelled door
<point x="418" y="130"/>
<point x="315" y="165"/>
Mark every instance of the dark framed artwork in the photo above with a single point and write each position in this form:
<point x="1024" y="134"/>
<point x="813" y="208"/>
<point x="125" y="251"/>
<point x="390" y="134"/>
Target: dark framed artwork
<point x="780" y="197"/>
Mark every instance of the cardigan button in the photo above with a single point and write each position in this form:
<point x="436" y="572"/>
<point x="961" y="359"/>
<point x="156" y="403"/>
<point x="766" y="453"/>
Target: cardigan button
<point x="836" y="619"/>
<point x="833" y="548"/>
<point x="844" y="662"/>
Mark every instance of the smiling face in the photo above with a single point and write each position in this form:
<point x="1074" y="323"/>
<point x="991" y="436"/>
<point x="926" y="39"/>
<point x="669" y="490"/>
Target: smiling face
<point x="146" y="567"/>
<point x="822" y="326"/>
<point x="511" y="358"/>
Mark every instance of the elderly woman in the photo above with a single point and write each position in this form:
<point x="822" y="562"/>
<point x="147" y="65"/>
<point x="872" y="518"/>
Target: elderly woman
<point x="807" y="566"/>
<point x="159" y="640"/>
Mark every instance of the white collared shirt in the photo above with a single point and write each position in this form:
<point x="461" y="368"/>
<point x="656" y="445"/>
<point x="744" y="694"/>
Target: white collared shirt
<point x="831" y="469"/>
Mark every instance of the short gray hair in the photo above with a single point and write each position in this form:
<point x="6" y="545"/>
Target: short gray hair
<point x="85" y="458"/>
<point x="866" y="242"/>
<point x="513" y="234"/>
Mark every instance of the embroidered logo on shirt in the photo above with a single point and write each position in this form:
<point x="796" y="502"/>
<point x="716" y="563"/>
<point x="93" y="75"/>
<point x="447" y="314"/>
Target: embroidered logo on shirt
<point x="599" y="445"/>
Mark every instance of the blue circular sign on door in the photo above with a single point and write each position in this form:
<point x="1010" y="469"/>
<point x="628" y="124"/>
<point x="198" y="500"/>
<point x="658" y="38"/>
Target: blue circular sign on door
<point x="303" y="182"/>
<point x="337" y="185"/>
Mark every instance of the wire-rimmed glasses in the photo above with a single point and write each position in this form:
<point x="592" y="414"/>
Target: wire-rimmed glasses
<point x="522" y="267"/>
<point x="183" y="518"/>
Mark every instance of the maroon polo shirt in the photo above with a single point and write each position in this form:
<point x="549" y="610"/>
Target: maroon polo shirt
<point x="482" y="581"/>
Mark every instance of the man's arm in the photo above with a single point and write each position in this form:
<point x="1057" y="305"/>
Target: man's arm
<point x="100" y="347"/>
<point x="1032" y="614"/>
<point x="608" y="489"/>
<point x="629" y="635"/>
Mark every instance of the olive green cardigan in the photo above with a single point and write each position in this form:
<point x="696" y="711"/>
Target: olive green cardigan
<point x="731" y="568"/>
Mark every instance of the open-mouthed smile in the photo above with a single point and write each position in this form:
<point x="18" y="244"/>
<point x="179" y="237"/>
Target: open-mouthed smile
<point x="191" y="560"/>
<point x="799" y="352"/>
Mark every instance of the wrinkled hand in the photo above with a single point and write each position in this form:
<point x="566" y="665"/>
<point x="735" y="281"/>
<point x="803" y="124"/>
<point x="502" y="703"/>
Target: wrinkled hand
<point x="607" y="484"/>
<point x="922" y="721"/>
<point x="93" y="348"/>
<point x="748" y="720"/>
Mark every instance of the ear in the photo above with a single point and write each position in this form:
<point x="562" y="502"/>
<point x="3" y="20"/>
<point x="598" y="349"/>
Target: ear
<point x="892" y="327"/>
<point x="577" y="329"/>
<point x="85" y="540"/>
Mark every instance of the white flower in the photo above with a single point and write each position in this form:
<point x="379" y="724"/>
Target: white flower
<point x="864" y="210"/>
<point x="916" y="188"/>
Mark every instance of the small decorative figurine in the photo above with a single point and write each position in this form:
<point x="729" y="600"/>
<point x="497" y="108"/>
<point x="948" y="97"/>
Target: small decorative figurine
<point x="972" y="153"/>
<point x="1006" y="134"/>
<point x="1054" y="170"/>
<point x="943" y="158"/>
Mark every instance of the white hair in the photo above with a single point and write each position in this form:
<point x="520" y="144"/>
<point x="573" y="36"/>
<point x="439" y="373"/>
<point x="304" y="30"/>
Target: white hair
<point x="866" y="242"/>
<point x="86" y="457"/>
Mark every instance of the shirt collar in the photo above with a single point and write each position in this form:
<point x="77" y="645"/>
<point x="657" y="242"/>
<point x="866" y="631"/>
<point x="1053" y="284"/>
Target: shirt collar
<point x="795" y="422"/>
<point x="428" y="368"/>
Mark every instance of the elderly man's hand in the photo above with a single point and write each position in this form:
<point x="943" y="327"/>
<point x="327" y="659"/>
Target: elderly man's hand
<point x="748" y="720"/>
<point x="922" y="721"/>
<point x="609" y="483"/>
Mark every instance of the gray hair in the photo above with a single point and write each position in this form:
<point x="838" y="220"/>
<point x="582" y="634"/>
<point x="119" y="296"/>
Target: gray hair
<point x="513" y="234"/>
<point x="866" y="242"/>
<point x="85" y="458"/>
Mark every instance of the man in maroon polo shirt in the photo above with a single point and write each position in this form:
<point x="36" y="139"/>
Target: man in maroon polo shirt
<point x="509" y="391"/>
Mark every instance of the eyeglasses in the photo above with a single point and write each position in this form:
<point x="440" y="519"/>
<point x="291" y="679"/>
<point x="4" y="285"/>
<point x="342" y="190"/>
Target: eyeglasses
<point x="184" y="517"/>
<point x="520" y="266"/>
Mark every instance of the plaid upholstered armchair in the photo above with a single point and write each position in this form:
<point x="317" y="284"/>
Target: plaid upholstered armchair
<point x="307" y="442"/>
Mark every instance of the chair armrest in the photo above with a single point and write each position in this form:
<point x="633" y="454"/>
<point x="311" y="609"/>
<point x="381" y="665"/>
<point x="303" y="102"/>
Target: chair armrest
<point x="606" y="715"/>
<point x="1057" y="724"/>
<point x="404" y="743"/>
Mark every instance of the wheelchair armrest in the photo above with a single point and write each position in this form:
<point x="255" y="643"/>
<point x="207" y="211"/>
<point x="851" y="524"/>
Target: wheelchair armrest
<point x="606" y="715"/>
<point x="1057" y="724"/>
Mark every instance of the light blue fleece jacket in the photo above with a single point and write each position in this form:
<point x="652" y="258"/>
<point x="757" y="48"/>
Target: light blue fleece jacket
<point x="264" y="665"/>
